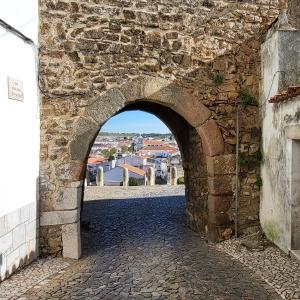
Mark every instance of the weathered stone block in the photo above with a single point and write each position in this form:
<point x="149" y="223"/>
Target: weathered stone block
<point x="221" y="164"/>
<point x="220" y="185"/>
<point x="71" y="240"/>
<point x="59" y="217"/>
<point x="69" y="198"/>
<point x="218" y="218"/>
<point x="71" y="171"/>
<point x="211" y="137"/>
<point x="101" y="113"/>
<point x="218" y="204"/>
<point x="192" y="110"/>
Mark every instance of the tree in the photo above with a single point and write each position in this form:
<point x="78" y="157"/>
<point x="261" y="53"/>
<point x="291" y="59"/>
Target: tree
<point x="112" y="151"/>
<point x="133" y="181"/>
<point x="131" y="148"/>
<point x="105" y="153"/>
<point x="124" y="149"/>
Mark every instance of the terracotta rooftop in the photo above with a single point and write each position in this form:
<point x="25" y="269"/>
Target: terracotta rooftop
<point x="95" y="160"/>
<point x="291" y="92"/>
<point x="153" y="142"/>
<point x="162" y="148"/>
<point x="133" y="169"/>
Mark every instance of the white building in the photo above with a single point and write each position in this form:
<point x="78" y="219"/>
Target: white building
<point x="136" y="161"/>
<point x="280" y="173"/>
<point x="115" y="175"/>
<point x="158" y="151"/>
<point x="19" y="124"/>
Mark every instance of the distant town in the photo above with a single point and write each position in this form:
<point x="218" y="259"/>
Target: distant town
<point x="137" y="153"/>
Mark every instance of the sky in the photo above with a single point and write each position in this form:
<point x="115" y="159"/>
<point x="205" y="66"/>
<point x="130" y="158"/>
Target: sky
<point x="135" y="121"/>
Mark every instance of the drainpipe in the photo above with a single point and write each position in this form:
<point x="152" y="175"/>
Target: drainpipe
<point x="237" y="185"/>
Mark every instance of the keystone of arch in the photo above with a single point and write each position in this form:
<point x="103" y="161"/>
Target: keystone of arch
<point x="167" y="93"/>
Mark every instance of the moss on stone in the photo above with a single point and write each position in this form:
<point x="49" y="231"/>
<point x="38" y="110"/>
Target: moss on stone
<point x="271" y="230"/>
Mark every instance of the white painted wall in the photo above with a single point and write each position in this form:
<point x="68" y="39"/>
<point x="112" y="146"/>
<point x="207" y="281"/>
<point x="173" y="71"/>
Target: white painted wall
<point x="19" y="135"/>
<point x="133" y="160"/>
<point x="279" y="53"/>
<point x="19" y="121"/>
<point x="115" y="176"/>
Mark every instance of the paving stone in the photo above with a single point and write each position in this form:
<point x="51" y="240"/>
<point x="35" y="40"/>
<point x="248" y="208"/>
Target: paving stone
<point x="140" y="248"/>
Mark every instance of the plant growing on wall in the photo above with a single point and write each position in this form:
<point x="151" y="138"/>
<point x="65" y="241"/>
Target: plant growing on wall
<point x="259" y="181"/>
<point x="250" y="160"/>
<point x="180" y="180"/>
<point x="217" y="79"/>
<point x="247" y="99"/>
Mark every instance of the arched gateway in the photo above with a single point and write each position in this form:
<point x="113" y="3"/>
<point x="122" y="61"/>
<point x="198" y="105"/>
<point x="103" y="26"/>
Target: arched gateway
<point x="208" y="186"/>
<point x="171" y="58"/>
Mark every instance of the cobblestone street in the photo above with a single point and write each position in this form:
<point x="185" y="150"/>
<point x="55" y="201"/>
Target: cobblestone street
<point x="141" y="248"/>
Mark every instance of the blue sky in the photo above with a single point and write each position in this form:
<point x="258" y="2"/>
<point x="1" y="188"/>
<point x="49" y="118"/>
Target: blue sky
<point x="135" y="121"/>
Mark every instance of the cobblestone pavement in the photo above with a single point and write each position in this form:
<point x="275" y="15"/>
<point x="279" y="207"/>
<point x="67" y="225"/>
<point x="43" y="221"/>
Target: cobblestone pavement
<point x="119" y="192"/>
<point x="141" y="249"/>
<point x="30" y="276"/>
<point x="272" y="265"/>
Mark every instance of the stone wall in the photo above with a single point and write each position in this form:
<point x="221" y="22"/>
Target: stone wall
<point x="294" y="13"/>
<point x="210" y="49"/>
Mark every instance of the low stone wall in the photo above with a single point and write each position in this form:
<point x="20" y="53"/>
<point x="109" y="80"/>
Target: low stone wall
<point x="18" y="239"/>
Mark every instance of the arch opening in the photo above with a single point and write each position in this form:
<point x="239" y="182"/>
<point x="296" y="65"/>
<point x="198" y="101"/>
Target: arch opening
<point x="208" y="184"/>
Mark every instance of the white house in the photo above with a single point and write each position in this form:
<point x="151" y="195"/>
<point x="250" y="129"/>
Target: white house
<point x="115" y="175"/>
<point x="136" y="161"/>
<point x="158" y="151"/>
<point x="19" y="124"/>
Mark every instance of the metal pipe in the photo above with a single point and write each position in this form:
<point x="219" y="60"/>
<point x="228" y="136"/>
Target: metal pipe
<point x="16" y="32"/>
<point x="237" y="169"/>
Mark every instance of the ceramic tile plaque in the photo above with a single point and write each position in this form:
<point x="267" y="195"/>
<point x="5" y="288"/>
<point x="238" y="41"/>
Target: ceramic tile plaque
<point x="15" y="89"/>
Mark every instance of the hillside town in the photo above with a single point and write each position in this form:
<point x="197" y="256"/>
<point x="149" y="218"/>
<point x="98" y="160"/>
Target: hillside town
<point x="137" y="153"/>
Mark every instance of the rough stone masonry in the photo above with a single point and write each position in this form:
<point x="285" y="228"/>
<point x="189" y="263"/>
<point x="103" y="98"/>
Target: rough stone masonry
<point x="198" y="59"/>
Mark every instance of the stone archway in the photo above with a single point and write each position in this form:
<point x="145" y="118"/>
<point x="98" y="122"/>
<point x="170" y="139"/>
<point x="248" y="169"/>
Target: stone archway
<point x="208" y="184"/>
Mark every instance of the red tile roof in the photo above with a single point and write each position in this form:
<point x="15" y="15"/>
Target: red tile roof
<point x="133" y="169"/>
<point x="290" y="93"/>
<point x="162" y="148"/>
<point x="153" y="142"/>
<point x="95" y="160"/>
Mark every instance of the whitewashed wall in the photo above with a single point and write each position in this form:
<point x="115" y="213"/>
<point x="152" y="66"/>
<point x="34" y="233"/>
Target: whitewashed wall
<point x="19" y="135"/>
<point x="280" y="60"/>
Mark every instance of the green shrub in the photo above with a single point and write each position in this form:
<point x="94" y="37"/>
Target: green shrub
<point x="180" y="180"/>
<point x="259" y="181"/>
<point x="247" y="99"/>
<point x="250" y="160"/>
<point x="133" y="181"/>
<point x="218" y="79"/>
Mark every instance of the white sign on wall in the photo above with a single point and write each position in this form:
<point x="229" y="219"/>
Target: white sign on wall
<point x="15" y="89"/>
